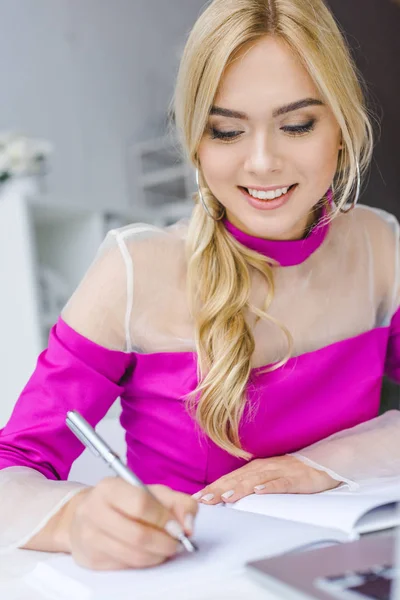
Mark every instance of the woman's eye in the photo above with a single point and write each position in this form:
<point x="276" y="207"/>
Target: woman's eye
<point x="299" y="129"/>
<point x="216" y="134"/>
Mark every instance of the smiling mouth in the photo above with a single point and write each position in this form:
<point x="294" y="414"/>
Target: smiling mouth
<point x="264" y="199"/>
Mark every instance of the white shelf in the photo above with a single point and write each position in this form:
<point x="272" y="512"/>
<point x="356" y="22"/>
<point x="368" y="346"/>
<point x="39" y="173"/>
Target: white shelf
<point x="156" y="145"/>
<point x="63" y="240"/>
<point x="164" y="176"/>
<point x="162" y="183"/>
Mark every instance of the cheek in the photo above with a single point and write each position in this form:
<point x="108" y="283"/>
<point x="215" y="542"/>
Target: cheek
<point x="218" y="163"/>
<point x="318" y="161"/>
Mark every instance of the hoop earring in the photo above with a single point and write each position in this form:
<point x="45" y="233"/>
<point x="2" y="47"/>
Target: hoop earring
<point x="203" y="201"/>
<point x="358" y="190"/>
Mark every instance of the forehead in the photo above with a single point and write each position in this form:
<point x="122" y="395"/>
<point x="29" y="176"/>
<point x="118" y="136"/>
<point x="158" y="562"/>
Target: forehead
<point x="265" y="74"/>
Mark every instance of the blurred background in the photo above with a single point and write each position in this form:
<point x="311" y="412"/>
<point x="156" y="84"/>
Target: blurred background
<point x="84" y="145"/>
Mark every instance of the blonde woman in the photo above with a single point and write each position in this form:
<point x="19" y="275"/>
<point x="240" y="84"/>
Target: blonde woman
<point x="248" y="345"/>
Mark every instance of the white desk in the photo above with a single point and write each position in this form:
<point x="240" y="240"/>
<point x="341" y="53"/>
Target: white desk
<point x="20" y="562"/>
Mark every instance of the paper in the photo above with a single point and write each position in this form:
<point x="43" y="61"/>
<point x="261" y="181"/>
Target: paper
<point x="339" y="508"/>
<point x="226" y="538"/>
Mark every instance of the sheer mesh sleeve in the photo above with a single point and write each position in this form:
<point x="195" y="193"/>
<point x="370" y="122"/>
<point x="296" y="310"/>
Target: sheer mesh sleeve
<point x="362" y="455"/>
<point x="370" y="452"/>
<point x="81" y="369"/>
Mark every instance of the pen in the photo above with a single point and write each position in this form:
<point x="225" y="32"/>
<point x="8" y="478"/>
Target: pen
<point x="91" y="439"/>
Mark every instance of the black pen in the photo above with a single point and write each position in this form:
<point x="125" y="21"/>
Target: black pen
<point x="89" y="438"/>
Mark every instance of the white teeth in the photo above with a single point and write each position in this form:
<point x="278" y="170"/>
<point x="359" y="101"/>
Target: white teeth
<point x="268" y="195"/>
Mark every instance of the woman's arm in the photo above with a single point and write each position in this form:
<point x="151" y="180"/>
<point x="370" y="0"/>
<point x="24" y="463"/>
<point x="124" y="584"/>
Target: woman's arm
<point x="81" y="369"/>
<point x="370" y="451"/>
<point x="359" y="456"/>
<point x="36" y="447"/>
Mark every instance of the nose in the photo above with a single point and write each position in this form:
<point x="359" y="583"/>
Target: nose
<point x="263" y="157"/>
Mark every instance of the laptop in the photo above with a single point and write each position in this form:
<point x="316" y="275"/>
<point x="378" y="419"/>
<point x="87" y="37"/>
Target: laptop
<point x="366" y="569"/>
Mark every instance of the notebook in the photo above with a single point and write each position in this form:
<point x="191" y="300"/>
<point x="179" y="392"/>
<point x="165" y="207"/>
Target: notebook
<point x="226" y="539"/>
<point x="371" y="508"/>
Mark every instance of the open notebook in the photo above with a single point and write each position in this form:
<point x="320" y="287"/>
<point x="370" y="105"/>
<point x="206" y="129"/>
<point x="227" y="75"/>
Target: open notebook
<point x="226" y="539"/>
<point x="371" y="508"/>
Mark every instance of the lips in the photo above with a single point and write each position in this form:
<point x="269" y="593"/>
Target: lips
<point x="268" y="205"/>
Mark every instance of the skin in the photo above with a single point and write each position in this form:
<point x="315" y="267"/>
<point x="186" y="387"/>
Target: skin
<point x="267" y="76"/>
<point x="264" y="152"/>
<point x="117" y="526"/>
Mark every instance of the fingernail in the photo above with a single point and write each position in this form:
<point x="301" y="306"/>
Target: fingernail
<point x="197" y="495"/>
<point x="259" y="487"/>
<point x="208" y="497"/>
<point x="228" y="494"/>
<point x="180" y="549"/>
<point x="189" y="523"/>
<point x="174" y="529"/>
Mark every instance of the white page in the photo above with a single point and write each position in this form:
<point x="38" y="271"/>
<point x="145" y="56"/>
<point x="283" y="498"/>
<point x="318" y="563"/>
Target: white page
<point x="226" y="539"/>
<point x="339" y="508"/>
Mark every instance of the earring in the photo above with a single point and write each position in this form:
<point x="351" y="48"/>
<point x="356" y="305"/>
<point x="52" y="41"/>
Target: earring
<point x="203" y="201"/>
<point x="358" y="190"/>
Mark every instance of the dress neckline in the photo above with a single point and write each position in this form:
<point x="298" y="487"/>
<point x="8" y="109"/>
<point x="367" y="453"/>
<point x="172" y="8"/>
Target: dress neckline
<point x="286" y="253"/>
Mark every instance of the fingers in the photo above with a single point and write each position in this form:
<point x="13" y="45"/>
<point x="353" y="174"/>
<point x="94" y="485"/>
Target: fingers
<point x="140" y="535"/>
<point x="184" y="507"/>
<point x="275" y="482"/>
<point x="280" y="475"/>
<point x="159" y="511"/>
<point x="223" y="490"/>
<point x="231" y="490"/>
<point x="117" y="526"/>
<point x="282" y="485"/>
<point x="103" y="552"/>
<point x="134" y="503"/>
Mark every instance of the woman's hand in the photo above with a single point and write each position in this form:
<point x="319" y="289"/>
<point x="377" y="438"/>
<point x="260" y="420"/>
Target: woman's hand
<point x="115" y="525"/>
<point x="280" y="475"/>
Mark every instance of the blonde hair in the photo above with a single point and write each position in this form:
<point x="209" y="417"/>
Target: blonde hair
<point x="219" y="267"/>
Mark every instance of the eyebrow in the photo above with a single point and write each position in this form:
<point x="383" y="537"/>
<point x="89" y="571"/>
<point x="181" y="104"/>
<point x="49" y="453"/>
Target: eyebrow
<point x="226" y="112"/>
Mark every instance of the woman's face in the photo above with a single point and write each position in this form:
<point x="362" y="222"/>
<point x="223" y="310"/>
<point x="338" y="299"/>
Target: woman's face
<point x="257" y="139"/>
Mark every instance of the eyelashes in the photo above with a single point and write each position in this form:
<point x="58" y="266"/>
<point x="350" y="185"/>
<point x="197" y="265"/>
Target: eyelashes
<point x="292" y="130"/>
<point x="224" y="135"/>
<point x="300" y="129"/>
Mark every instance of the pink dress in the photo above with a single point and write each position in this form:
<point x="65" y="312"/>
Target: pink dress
<point x="331" y="386"/>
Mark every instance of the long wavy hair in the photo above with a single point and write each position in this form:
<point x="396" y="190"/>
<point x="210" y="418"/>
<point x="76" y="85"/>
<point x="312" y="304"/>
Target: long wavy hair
<point x="219" y="267"/>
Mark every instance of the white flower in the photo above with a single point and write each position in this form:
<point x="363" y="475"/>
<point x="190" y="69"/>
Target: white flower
<point x="20" y="155"/>
<point x="6" y="138"/>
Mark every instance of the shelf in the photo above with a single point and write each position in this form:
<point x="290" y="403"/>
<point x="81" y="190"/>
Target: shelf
<point x="162" y="181"/>
<point x="50" y="214"/>
<point x="176" y="210"/>
<point x="164" y="177"/>
<point x="157" y="145"/>
<point x="169" y="211"/>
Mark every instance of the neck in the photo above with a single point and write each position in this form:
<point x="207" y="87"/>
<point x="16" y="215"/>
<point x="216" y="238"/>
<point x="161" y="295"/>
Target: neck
<point x="290" y="251"/>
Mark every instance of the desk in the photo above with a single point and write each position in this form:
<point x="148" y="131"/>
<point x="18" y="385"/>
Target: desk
<point x="15" y="565"/>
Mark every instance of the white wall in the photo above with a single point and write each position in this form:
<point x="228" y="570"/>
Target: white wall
<point x="91" y="76"/>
